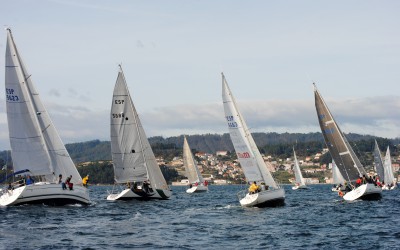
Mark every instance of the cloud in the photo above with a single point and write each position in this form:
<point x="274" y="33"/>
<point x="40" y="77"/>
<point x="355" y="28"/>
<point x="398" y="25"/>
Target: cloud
<point x="373" y="115"/>
<point x="139" y="44"/>
<point x="54" y="92"/>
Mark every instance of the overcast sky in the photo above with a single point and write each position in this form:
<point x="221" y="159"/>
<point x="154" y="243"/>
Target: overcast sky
<point x="173" y="52"/>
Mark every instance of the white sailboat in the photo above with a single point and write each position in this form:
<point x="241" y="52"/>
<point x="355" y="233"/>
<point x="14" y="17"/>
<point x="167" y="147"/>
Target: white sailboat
<point x="250" y="159"/>
<point x="390" y="181"/>
<point x="338" y="180"/>
<point x="196" y="181"/>
<point x="299" y="180"/>
<point x="36" y="148"/>
<point x="343" y="155"/>
<point x="136" y="170"/>
<point x="379" y="167"/>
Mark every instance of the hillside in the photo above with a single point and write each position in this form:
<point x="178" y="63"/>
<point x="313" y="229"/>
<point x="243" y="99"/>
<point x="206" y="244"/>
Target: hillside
<point x="269" y="143"/>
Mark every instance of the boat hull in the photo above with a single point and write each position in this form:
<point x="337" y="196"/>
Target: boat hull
<point x="299" y="187"/>
<point x="267" y="198"/>
<point x="365" y="192"/>
<point x="130" y="194"/>
<point x="197" y="189"/>
<point x="45" y="193"/>
<point x="388" y="188"/>
<point x="337" y="189"/>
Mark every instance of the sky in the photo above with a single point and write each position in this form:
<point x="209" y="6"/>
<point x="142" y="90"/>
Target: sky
<point x="173" y="52"/>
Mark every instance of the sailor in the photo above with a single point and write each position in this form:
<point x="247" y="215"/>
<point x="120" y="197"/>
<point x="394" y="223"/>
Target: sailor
<point x="253" y="188"/>
<point x="85" y="180"/>
<point x="29" y="180"/>
<point x="69" y="183"/>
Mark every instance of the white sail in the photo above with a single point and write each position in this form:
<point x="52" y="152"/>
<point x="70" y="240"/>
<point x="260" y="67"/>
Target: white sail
<point x="192" y="171"/>
<point x="297" y="172"/>
<point x="250" y="159"/>
<point x="336" y="175"/>
<point x="378" y="162"/>
<point x="35" y="143"/>
<point x="389" y="176"/>
<point x="132" y="155"/>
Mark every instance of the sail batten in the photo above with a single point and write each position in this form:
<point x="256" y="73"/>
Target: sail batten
<point x="250" y="159"/>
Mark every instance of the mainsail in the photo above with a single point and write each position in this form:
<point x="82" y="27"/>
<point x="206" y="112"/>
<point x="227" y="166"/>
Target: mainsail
<point x="133" y="158"/>
<point x="297" y="172"/>
<point x="250" y="159"/>
<point x="35" y="143"/>
<point x="192" y="171"/>
<point x="389" y="176"/>
<point x="378" y="162"/>
<point x="339" y="148"/>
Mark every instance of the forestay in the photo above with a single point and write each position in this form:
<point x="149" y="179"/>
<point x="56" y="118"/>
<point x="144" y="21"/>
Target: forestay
<point x="339" y="148"/>
<point x="192" y="171"/>
<point x="250" y="159"/>
<point x="35" y="143"/>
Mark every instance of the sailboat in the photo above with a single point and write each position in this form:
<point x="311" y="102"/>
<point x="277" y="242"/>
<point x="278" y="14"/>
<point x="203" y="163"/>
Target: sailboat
<point x="136" y="171"/>
<point x="36" y="148"/>
<point x="390" y="181"/>
<point x="378" y="162"/>
<point x="300" y="183"/>
<point x="251" y="161"/>
<point x="338" y="180"/>
<point x="196" y="181"/>
<point x="343" y="154"/>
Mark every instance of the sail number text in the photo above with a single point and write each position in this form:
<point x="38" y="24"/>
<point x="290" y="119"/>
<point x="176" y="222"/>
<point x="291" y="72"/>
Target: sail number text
<point x="120" y="115"/>
<point x="11" y="95"/>
<point x="243" y="155"/>
<point x="119" y="101"/>
<point x="231" y="121"/>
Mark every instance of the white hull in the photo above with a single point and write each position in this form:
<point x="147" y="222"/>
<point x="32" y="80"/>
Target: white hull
<point x="387" y="188"/>
<point x="299" y="187"/>
<point x="197" y="189"/>
<point x="265" y="198"/>
<point x="44" y="193"/>
<point x="337" y="189"/>
<point x="129" y="194"/>
<point x="365" y="192"/>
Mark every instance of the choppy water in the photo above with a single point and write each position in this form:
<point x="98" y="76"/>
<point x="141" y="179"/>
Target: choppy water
<point x="311" y="219"/>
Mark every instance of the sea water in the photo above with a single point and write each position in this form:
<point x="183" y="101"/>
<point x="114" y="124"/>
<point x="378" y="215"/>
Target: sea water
<point x="311" y="219"/>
